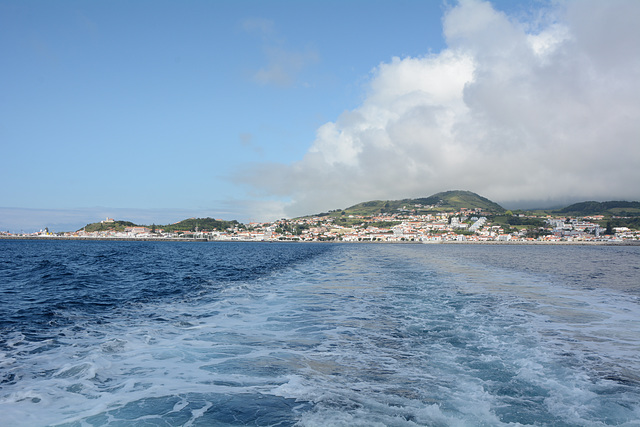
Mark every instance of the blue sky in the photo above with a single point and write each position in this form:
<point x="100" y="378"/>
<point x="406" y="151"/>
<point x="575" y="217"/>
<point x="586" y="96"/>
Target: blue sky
<point x="154" y="111"/>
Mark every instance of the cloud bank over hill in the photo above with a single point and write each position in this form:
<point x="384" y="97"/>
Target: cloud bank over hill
<point x="545" y="107"/>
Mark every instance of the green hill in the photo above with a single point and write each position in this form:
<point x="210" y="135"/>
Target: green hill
<point x="613" y="208"/>
<point x="455" y="200"/>
<point x="441" y="202"/>
<point x="203" y="224"/>
<point x="446" y="201"/>
<point x="106" y="226"/>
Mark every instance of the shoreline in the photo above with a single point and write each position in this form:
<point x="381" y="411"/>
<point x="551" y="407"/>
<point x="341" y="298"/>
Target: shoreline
<point x="443" y="242"/>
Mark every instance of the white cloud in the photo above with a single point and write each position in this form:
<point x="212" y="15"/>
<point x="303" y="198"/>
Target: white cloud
<point x="546" y="110"/>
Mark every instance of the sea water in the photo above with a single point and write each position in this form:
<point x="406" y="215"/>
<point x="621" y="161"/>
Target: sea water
<point x="279" y="334"/>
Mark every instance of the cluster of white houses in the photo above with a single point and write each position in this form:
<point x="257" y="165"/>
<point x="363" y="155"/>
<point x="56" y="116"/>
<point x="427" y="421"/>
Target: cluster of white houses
<point x="464" y="225"/>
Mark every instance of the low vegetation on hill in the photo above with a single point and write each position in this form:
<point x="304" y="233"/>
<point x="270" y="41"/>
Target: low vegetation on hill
<point x="613" y="208"/>
<point x="446" y="201"/>
<point x="202" y="224"/>
<point x="188" y="225"/>
<point x="108" y="226"/>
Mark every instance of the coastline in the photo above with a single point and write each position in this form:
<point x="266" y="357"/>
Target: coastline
<point x="105" y="239"/>
<point x="440" y="242"/>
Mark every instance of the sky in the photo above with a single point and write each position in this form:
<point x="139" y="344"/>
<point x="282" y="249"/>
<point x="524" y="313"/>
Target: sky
<point x="155" y="111"/>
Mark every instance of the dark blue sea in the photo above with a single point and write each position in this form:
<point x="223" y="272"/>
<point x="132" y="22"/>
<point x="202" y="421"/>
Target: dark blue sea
<point x="97" y="333"/>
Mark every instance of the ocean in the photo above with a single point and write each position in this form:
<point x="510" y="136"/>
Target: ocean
<point x="100" y="333"/>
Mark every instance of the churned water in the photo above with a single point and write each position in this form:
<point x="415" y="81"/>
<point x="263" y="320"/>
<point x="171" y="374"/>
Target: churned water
<point x="279" y="334"/>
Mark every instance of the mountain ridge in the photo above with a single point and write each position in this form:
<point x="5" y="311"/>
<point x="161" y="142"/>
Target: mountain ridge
<point x="443" y="201"/>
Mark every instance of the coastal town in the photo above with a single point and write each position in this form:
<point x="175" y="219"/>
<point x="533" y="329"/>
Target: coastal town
<point x="408" y="224"/>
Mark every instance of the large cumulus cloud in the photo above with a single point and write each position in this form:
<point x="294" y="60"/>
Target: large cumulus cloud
<point x="546" y="108"/>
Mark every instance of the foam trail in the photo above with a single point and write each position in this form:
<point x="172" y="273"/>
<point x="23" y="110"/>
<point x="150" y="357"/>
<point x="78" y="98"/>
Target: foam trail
<point x="389" y="335"/>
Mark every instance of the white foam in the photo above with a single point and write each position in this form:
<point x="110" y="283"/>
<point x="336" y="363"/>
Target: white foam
<point x="363" y="342"/>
